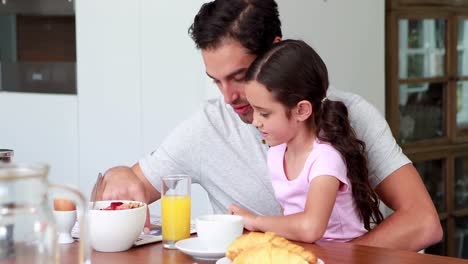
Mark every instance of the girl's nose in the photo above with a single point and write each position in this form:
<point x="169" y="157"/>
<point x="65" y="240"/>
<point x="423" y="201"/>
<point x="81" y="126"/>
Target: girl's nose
<point x="256" y="123"/>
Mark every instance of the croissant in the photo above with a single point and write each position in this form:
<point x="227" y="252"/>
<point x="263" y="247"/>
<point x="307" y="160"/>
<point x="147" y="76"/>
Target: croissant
<point x="256" y="247"/>
<point x="268" y="254"/>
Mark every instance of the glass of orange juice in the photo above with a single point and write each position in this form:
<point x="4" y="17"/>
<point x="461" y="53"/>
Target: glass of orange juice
<point x="175" y="208"/>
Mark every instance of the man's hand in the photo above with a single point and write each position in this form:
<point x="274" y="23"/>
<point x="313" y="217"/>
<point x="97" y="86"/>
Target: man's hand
<point x="121" y="183"/>
<point x="124" y="183"/>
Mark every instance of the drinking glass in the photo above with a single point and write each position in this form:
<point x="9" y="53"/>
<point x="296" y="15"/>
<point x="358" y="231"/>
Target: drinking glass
<point x="175" y="208"/>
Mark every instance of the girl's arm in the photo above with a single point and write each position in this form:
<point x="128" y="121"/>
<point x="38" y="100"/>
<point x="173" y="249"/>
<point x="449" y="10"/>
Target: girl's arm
<point x="308" y="226"/>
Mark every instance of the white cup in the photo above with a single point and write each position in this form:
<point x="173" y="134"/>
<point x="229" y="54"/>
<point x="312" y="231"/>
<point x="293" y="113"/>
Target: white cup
<point x="217" y="232"/>
<point x="65" y="220"/>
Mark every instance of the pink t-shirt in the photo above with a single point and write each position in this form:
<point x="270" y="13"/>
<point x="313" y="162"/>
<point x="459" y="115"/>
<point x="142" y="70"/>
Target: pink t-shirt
<point x="344" y="223"/>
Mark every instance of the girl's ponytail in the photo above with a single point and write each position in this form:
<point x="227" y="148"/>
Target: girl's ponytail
<point x="333" y="126"/>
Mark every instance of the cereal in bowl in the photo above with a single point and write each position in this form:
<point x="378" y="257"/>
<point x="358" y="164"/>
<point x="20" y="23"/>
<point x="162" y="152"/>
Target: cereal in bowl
<point x="122" y="206"/>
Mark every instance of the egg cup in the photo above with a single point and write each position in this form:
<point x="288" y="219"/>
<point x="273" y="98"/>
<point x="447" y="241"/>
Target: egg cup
<point x="65" y="220"/>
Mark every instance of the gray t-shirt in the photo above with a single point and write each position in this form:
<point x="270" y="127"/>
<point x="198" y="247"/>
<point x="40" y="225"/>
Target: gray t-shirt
<point x="227" y="158"/>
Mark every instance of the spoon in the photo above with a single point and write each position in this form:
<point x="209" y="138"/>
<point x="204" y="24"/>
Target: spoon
<point x="95" y="190"/>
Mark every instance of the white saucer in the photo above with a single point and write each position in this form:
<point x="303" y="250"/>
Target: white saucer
<point x="225" y="260"/>
<point x="193" y="247"/>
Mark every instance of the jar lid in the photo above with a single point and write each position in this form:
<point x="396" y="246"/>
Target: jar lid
<point x="6" y="153"/>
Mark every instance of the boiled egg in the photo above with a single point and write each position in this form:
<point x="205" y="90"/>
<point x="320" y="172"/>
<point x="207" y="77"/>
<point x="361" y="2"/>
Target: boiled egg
<point x="62" y="204"/>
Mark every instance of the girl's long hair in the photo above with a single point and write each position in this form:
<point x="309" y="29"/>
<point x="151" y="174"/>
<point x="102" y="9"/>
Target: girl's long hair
<point x="292" y="71"/>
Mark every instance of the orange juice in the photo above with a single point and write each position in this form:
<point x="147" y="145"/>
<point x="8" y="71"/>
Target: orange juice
<point x="175" y="217"/>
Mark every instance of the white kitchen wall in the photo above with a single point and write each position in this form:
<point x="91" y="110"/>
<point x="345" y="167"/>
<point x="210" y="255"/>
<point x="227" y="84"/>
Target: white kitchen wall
<point x="109" y="86"/>
<point x="172" y="71"/>
<point x="350" y="38"/>
<point x="139" y="75"/>
<point x="42" y="128"/>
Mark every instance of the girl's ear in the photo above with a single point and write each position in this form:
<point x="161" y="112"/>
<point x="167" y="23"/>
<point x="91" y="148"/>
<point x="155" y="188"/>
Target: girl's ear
<point x="303" y="110"/>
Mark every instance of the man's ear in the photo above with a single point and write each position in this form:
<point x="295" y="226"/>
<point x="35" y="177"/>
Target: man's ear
<point x="303" y="110"/>
<point x="277" y="39"/>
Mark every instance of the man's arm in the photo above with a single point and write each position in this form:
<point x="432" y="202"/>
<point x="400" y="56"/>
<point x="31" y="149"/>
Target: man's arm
<point x="415" y="224"/>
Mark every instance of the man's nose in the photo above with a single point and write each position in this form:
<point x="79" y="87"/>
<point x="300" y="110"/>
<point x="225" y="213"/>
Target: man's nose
<point x="230" y="93"/>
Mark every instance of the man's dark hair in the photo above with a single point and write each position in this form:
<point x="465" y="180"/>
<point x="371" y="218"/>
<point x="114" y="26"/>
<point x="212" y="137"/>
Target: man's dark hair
<point x="254" y="23"/>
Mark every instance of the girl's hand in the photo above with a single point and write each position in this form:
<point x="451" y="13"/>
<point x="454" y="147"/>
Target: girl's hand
<point x="249" y="217"/>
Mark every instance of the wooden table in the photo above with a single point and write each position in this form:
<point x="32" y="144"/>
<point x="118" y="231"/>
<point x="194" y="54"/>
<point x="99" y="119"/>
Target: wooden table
<point x="330" y="253"/>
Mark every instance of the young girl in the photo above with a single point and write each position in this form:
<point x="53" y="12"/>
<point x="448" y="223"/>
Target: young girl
<point x="318" y="166"/>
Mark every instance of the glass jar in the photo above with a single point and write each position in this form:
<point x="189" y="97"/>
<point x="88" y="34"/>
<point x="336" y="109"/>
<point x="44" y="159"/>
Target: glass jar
<point x="27" y="226"/>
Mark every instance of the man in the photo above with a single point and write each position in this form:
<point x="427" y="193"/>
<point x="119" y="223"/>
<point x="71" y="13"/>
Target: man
<point x="223" y="153"/>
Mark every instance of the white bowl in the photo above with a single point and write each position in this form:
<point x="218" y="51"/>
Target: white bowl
<point x="216" y="232"/>
<point x="115" y="230"/>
